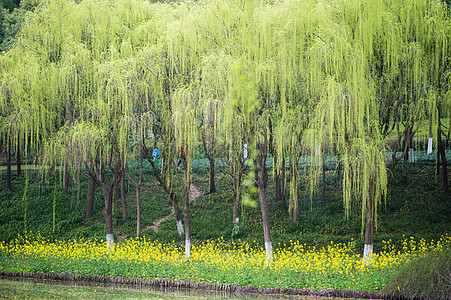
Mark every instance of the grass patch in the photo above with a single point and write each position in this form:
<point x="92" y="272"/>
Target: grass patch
<point x="425" y="277"/>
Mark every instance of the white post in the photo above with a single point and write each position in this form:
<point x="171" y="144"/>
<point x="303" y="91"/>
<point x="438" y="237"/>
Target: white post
<point x="161" y="166"/>
<point x="244" y="151"/>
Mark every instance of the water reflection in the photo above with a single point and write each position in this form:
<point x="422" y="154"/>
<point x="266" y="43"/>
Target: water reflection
<point x="55" y="289"/>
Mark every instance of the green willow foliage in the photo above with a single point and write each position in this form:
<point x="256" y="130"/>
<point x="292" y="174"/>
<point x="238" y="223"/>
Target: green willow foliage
<point x="319" y="75"/>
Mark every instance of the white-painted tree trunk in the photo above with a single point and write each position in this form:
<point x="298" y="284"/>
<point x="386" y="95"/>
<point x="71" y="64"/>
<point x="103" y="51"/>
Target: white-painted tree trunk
<point x="161" y="172"/>
<point x="237" y="226"/>
<point x="180" y="228"/>
<point x="110" y="240"/>
<point x="187" y="249"/>
<point x="317" y="150"/>
<point x="368" y="254"/>
<point x="429" y="145"/>
<point x="244" y="151"/>
<point x="411" y="155"/>
<point x="268" y="251"/>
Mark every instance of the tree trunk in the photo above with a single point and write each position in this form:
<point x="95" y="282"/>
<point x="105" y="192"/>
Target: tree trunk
<point x="277" y="179"/>
<point x="116" y="192"/>
<point x="18" y="158"/>
<point x="167" y="188"/>
<point x="137" y="184"/>
<point x="66" y="177"/>
<point x="107" y="195"/>
<point x="278" y="187"/>
<point x="211" y="158"/>
<point x="283" y="196"/>
<point x="236" y="200"/>
<point x="123" y="197"/>
<point x="107" y="186"/>
<point x="294" y="207"/>
<point x="178" y="214"/>
<point x="369" y="230"/>
<point x="90" y="199"/>
<point x="437" y="163"/>
<point x="186" y="215"/>
<point x="411" y="151"/>
<point x="323" y="190"/>
<point x="441" y="149"/>
<point x="261" y="184"/>
<point x="265" y="221"/>
<point x="8" y="164"/>
<point x="405" y="170"/>
<point x="138" y="210"/>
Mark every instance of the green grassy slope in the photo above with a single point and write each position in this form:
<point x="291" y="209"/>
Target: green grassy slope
<point x="416" y="208"/>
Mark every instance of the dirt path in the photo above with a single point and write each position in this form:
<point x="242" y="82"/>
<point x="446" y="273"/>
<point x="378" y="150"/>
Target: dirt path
<point x="157" y="222"/>
<point x="194" y="193"/>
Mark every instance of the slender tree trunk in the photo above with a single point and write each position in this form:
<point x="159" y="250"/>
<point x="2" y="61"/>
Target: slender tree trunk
<point x="167" y="188"/>
<point x="117" y="195"/>
<point x="123" y="197"/>
<point x="211" y="158"/>
<point x="137" y="185"/>
<point x="369" y="230"/>
<point x="405" y="170"/>
<point x="107" y="186"/>
<point x="90" y="199"/>
<point x="178" y="214"/>
<point x="441" y="149"/>
<point x="66" y="177"/>
<point x="107" y="195"/>
<point x="411" y="152"/>
<point x="236" y="200"/>
<point x="323" y="190"/>
<point x="437" y="163"/>
<point x="294" y="190"/>
<point x="283" y="196"/>
<point x="138" y="210"/>
<point x="265" y="221"/>
<point x="407" y="157"/>
<point x="186" y="215"/>
<point x="8" y="164"/>
<point x="278" y="187"/>
<point x="261" y="184"/>
<point x="277" y="179"/>
<point x="18" y="158"/>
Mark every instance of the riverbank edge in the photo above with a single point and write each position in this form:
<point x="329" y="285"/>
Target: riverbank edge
<point x="188" y="284"/>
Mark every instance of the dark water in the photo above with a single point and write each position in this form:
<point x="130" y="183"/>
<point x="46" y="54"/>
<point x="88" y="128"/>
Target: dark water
<point x="20" y="288"/>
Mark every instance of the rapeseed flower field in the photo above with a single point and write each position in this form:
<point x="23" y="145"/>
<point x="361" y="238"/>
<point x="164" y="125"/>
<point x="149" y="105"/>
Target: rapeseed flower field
<point x="295" y="265"/>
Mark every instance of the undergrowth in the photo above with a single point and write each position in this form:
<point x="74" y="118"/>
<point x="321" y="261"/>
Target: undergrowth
<point x="426" y="277"/>
<point x="416" y="208"/>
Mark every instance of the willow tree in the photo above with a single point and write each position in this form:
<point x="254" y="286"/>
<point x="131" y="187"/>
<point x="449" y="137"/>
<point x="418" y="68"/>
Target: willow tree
<point x="82" y="53"/>
<point x="410" y="67"/>
<point x="27" y="100"/>
<point x="371" y="58"/>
